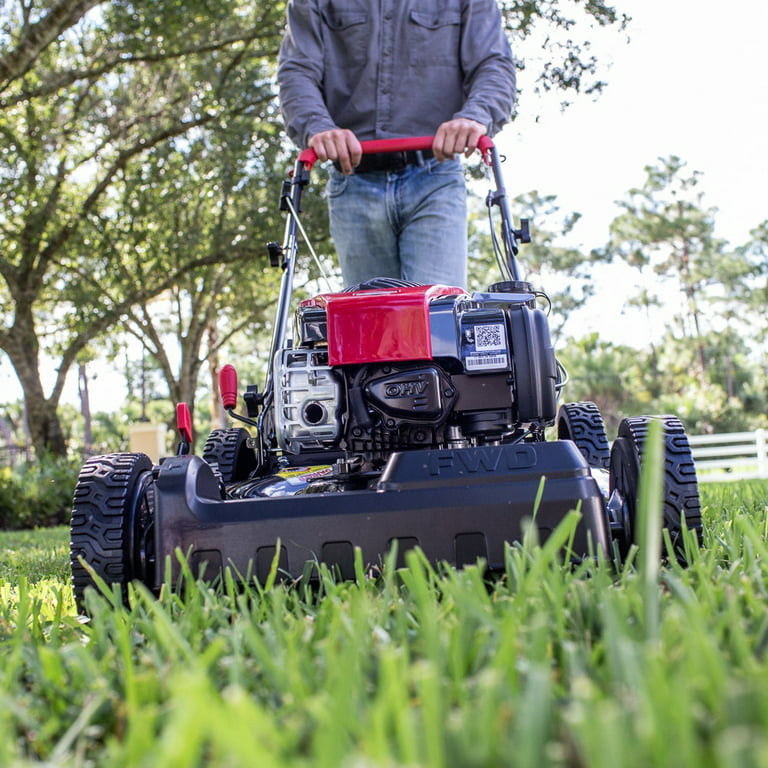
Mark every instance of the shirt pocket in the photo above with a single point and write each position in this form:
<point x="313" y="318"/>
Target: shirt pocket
<point x="434" y="38"/>
<point x="347" y="37"/>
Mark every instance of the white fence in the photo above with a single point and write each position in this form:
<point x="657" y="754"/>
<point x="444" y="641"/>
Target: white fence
<point x="730" y="456"/>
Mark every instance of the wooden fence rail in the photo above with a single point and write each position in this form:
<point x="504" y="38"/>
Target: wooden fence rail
<point x="730" y="456"/>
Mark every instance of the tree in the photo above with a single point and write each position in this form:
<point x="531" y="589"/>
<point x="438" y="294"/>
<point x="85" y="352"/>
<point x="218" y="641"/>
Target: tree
<point x="665" y="231"/>
<point x="218" y="193"/>
<point x="568" y="66"/>
<point x="610" y="375"/>
<point x="83" y="96"/>
<point x="745" y="276"/>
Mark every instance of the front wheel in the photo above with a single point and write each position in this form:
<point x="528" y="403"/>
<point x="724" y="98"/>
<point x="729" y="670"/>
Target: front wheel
<point x="227" y="451"/>
<point x="582" y="423"/>
<point x="112" y="528"/>
<point x="681" y="502"/>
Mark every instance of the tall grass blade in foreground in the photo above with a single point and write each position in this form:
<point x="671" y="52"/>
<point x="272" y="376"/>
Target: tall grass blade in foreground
<point x="649" y="524"/>
<point x="550" y="665"/>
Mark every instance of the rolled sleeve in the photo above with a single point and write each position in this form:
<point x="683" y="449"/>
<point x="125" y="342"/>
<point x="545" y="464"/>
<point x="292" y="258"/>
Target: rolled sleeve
<point x="300" y="74"/>
<point x="489" y="67"/>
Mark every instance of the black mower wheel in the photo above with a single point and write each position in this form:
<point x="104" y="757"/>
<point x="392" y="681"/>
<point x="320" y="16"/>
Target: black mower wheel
<point x="112" y="527"/>
<point x="582" y="423"/>
<point x="228" y="451"/>
<point x="681" y="492"/>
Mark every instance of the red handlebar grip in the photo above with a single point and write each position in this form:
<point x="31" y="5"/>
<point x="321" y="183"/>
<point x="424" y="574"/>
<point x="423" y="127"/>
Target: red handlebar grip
<point x="228" y="386"/>
<point x="408" y="144"/>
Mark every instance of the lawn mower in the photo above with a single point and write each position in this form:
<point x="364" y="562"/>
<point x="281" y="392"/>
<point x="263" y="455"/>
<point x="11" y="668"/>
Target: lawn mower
<point x="393" y="416"/>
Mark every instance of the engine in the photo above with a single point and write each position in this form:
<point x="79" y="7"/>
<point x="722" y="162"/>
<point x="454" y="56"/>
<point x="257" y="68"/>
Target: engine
<point x="400" y="367"/>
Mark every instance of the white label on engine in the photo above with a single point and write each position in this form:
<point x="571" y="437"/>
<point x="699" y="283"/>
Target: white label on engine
<point x="485" y="362"/>
<point x="490" y="337"/>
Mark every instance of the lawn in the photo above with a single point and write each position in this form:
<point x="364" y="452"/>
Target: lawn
<point x="548" y="665"/>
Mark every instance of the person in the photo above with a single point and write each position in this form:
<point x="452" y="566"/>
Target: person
<point x="353" y="70"/>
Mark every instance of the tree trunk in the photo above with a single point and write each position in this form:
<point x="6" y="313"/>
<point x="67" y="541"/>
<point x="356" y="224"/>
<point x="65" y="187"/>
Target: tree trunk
<point x="217" y="415"/>
<point x="45" y="430"/>
<point x="85" y="408"/>
<point x="44" y="426"/>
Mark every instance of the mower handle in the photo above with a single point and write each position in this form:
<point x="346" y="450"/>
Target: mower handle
<point x="408" y="144"/>
<point x="290" y="199"/>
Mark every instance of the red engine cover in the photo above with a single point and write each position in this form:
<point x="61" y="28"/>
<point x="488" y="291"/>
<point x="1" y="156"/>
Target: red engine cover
<point x="383" y="325"/>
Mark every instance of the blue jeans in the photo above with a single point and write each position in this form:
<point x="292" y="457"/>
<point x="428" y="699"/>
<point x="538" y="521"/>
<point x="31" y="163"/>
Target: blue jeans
<point x="409" y="224"/>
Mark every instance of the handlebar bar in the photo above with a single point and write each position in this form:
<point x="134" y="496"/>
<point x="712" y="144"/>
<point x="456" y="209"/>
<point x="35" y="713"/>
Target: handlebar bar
<point x="409" y="144"/>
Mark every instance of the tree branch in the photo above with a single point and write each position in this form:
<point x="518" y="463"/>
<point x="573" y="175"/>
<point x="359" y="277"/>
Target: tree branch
<point x="63" y="15"/>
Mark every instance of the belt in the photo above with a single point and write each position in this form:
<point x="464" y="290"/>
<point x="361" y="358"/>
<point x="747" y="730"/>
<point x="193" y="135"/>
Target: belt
<point x="389" y="161"/>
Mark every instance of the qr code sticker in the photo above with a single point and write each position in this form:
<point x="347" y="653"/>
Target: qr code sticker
<point x="489" y="337"/>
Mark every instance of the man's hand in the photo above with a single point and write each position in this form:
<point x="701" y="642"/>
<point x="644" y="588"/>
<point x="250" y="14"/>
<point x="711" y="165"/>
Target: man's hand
<point x="456" y="136"/>
<point x="340" y="145"/>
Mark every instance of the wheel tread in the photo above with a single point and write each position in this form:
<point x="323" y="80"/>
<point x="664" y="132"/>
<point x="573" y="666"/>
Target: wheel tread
<point x="581" y="422"/>
<point x="681" y="493"/>
<point x="98" y="529"/>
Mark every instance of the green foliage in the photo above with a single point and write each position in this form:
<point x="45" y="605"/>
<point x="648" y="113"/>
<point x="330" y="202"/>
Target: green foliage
<point x="549" y="665"/>
<point x="624" y="381"/>
<point x="89" y="96"/>
<point x="708" y="365"/>
<point x="668" y="236"/>
<point x="568" y="65"/>
<point x="37" y="493"/>
<point x="610" y="375"/>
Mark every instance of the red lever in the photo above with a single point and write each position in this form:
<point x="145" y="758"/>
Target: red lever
<point x="184" y="422"/>
<point x="228" y="386"/>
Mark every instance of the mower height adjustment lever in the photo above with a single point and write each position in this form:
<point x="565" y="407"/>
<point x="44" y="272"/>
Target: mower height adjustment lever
<point x="276" y="254"/>
<point x="523" y="235"/>
<point x="228" y="388"/>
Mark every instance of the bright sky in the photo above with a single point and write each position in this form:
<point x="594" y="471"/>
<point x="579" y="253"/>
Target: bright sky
<point x="689" y="82"/>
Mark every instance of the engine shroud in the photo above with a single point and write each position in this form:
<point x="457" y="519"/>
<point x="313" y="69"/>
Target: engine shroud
<point x="418" y="366"/>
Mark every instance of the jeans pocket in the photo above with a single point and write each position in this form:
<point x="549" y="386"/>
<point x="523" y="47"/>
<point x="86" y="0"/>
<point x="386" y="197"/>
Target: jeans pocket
<point x="337" y="184"/>
<point x="446" y="168"/>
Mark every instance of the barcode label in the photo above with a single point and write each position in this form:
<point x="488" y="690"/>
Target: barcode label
<point x="484" y="362"/>
<point x="489" y="337"/>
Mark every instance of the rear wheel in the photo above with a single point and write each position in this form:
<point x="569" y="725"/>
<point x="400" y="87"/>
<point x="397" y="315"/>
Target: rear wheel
<point x="227" y="450"/>
<point x="582" y="423"/>
<point x="112" y="527"/>
<point x="681" y="500"/>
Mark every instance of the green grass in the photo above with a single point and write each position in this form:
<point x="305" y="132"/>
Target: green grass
<point x="34" y="555"/>
<point x="549" y="665"/>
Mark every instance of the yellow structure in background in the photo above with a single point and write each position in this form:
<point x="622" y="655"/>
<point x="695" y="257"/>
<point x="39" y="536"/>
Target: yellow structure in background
<point x="148" y="438"/>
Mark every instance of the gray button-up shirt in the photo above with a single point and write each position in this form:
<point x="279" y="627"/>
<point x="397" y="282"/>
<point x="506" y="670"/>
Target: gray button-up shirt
<point x="392" y="68"/>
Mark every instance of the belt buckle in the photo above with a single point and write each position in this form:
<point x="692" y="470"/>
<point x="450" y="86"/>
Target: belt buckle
<point x="399" y="161"/>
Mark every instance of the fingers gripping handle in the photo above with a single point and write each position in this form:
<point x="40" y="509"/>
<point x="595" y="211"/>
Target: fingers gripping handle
<point x="410" y="144"/>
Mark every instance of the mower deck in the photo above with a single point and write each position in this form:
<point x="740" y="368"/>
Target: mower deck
<point x="457" y="505"/>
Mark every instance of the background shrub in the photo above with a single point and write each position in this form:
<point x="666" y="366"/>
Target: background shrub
<point x="37" y="494"/>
